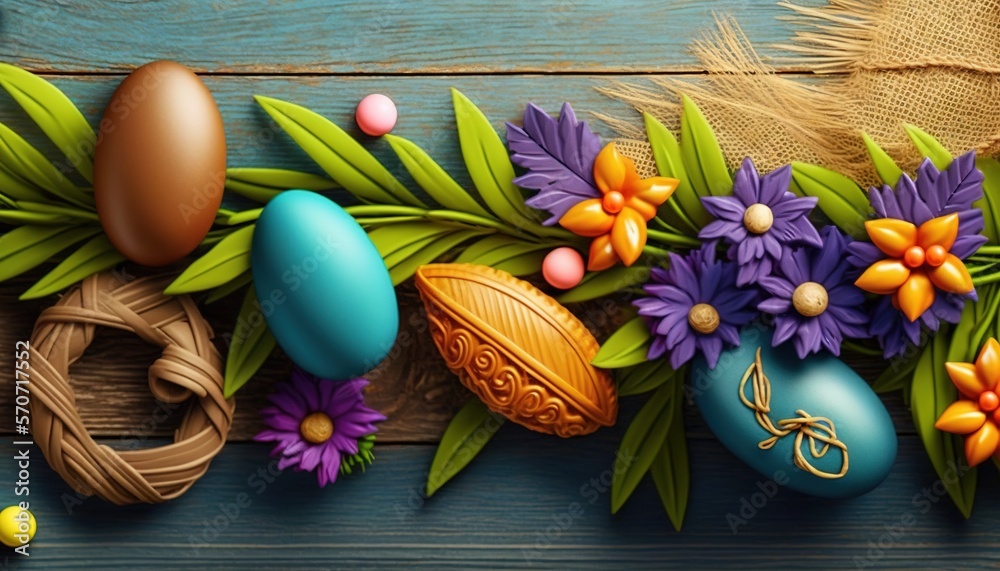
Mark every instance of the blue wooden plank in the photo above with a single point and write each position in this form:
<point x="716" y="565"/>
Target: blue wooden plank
<point x="392" y="36"/>
<point x="424" y="104"/>
<point x="527" y="502"/>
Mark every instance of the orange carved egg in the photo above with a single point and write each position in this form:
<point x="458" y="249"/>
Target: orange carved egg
<point x="521" y="352"/>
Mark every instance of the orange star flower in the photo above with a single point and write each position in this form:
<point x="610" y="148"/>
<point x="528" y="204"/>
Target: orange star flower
<point x="978" y="414"/>
<point x="918" y="261"/>
<point x="617" y="222"/>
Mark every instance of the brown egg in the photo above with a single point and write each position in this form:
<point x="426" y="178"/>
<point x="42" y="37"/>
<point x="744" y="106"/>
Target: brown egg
<point x="160" y="164"/>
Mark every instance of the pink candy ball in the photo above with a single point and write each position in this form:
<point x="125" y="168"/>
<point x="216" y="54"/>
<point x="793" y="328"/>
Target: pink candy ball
<point x="563" y="268"/>
<point x="376" y="115"/>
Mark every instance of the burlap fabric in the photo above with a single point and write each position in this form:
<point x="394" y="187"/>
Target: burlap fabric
<point x="931" y="63"/>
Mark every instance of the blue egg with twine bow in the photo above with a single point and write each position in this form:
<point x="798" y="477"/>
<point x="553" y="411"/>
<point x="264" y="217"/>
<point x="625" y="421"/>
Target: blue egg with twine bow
<point x="815" y="419"/>
<point x="322" y="286"/>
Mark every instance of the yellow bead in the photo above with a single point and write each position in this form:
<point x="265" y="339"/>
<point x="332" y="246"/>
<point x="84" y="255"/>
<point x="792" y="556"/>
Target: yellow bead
<point x="16" y="526"/>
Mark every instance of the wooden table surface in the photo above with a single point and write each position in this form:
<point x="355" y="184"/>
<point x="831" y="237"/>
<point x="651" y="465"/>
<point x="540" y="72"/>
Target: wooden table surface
<point x="528" y="501"/>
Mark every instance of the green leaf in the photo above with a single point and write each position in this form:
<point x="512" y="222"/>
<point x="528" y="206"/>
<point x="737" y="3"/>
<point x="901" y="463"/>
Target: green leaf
<point x="225" y="262"/>
<point x="671" y="469"/>
<point x="226" y="217"/>
<point x="644" y="377"/>
<point x="391" y="238"/>
<point x="840" y="198"/>
<point x="929" y="147"/>
<point x="489" y="164"/>
<point x="261" y="185"/>
<point x="59" y="210"/>
<point x="18" y="217"/>
<point x="466" y="435"/>
<point x="600" y="284"/>
<point x="896" y="375"/>
<point x="55" y="114"/>
<point x="703" y="159"/>
<point x="17" y="188"/>
<point x="97" y="255"/>
<point x="250" y="346"/>
<point x="402" y="267"/>
<point x="483" y="248"/>
<point x="337" y="153"/>
<point x="626" y="347"/>
<point x="986" y="310"/>
<point x="27" y="247"/>
<point x="437" y="183"/>
<point x="506" y="253"/>
<point x="526" y="264"/>
<point x="887" y="169"/>
<point x="227" y="289"/>
<point x="643" y="441"/>
<point x="990" y="202"/>
<point x="24" y="162"/>
<point x="684" y="208"/>
<point x="932" y="392"/>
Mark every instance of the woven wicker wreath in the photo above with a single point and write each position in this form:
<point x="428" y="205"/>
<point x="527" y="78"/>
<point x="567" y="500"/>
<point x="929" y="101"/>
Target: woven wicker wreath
<point x="189" y="366"/>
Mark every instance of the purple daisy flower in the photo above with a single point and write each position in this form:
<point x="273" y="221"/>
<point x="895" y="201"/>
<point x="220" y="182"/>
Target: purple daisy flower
<point x="695" y="304"/>
<point x="760" y="220"/>
<point x="814" y="299"/>
<point x="934" y="193"/>
<point x="317" y="423"/>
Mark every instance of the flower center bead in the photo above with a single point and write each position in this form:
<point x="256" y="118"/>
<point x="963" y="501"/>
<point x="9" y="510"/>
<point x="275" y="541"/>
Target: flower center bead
<point x="614" y="201"/>
<point x="810" y="299"/>
<point x="914" y="257"/>
<point x="316" y="428"/>
<point x="758" y="218"/>
<point x="989" y="401"/>
<point x="703" y="318"/>
<point x="936" y="255"/>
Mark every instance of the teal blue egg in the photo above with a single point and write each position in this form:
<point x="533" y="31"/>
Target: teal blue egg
<point x="322" y="286"/>
<point x="820" y="386"/>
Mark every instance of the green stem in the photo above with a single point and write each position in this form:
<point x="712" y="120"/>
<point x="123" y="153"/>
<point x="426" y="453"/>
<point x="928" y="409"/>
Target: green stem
<point x="987" y="259"/>
<point x="672" y="239"/>
<point x="387" y="220"/>
<point x="455" y="216"/>
<point x="988" y="279"/>
<point x="381" y="211"/>
<point x="973" y="270"/>
<point x="384" y="210"/>
<point x="666" y="226"/>
<point x="988" y="250"/>
<point x="656" y="252"/>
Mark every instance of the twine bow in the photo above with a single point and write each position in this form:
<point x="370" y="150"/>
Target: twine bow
<point x="819" y="430"/>
<point x="189" y="367"/>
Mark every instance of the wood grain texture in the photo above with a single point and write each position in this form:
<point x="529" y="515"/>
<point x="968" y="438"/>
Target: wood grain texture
<point x="513" y="508"/>
<point x="392" y="36"/>
<point x="510" y="508"/>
